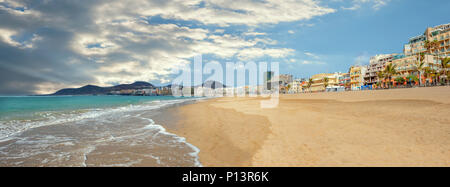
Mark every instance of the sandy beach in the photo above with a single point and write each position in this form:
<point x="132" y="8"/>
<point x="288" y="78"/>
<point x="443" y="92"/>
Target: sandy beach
<point x="402" y="127"/>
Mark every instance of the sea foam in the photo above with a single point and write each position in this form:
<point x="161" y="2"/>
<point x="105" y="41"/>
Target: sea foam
<point x="14" y="127"/>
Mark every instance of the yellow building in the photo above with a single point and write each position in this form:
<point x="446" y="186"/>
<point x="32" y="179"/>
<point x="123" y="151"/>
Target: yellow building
<point x="296" y="86"/>
<point x="357" y="77"/>
<point x="318" y="84"/>
<point x="439" y="33"/>
<point x="407" y="65"/>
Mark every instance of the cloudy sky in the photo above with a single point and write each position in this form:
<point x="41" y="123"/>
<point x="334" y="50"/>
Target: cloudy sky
<point x="46" y="45"/>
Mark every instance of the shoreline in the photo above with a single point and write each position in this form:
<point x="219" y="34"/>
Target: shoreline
<point x="402" y="127"/>
<point x="119" y="136"/>
<point x="219" y="146"/>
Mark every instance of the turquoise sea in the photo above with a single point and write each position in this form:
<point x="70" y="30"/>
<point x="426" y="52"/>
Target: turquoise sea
<point x="91" y="131"/>
<point x="30" y="107"/>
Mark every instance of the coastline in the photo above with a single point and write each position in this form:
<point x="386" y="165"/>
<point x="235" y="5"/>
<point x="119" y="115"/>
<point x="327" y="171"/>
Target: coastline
<point x="402" y="127"/>
<point x="112" y="136"/>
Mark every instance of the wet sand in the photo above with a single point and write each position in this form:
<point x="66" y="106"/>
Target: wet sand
<point x="403" y="127"/>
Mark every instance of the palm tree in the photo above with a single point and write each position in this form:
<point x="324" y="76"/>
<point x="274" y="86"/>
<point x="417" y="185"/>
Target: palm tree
<point x="434" y="74"/>
<point x="380" y="76"/>
<point x="448" y="76"/>
<point x="444" y="64"/>
<point x="389" y="72"/>
<point x="288" y="87"/>
<point x="310" y="81"/>
<point x="433" y="48"/>
<point x="427" y="73"/>
<point x="326" y="80"/>
<point x="420" y="65"/>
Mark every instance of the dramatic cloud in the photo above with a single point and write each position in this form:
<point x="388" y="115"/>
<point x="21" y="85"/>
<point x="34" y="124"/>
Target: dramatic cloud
<point x="48" y="45"/>
<point x="220" y="12"/>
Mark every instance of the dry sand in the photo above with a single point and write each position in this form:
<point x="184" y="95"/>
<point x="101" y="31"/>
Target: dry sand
<point x="403" y="127"/>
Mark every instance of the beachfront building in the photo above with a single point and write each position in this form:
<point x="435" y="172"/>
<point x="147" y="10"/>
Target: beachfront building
<point x="297" y="86"/>
<point x="187" y="91"/>
<point x="228" y="91"/>
<point x="357" y="77"/>
<point x="285" y="79"/>
<point x="268" y="76"/>
<point x="284" y="82"/>
<point x="377" y="64"/>
<point x="415" y="46"/>
<point x="439" y="33"/>
<point x="318" y="84"/>
<point x="344" y="80"/>
<point x="252" y="90"/>
<point x="126" y="92"/>
<point x="407" y="65"/>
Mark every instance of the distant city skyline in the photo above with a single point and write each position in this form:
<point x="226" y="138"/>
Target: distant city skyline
<point x="46" y="46"/>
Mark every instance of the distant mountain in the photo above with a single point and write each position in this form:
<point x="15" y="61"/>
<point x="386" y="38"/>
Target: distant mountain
<point x="136" y="85"/>
<point x="96" y="90"/>
<point x="85" y="90"/>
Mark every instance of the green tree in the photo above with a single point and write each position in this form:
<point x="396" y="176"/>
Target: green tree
<point x="444" y="65"/>
<point x="412" y="78"/>
<point x="310" y="81"/>
<point x="326" y="81"/>
<point x="380" y="76"/>
<point x="288" y="87"/>
<point x="389" y="72"/>
<point x="427" y="73"/>
<point x="400" y="80"/>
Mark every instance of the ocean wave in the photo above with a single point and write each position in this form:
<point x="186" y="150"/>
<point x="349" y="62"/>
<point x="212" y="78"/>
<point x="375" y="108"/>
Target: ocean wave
<point x="179" y="139"/>
<point x="14" y="127"/>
